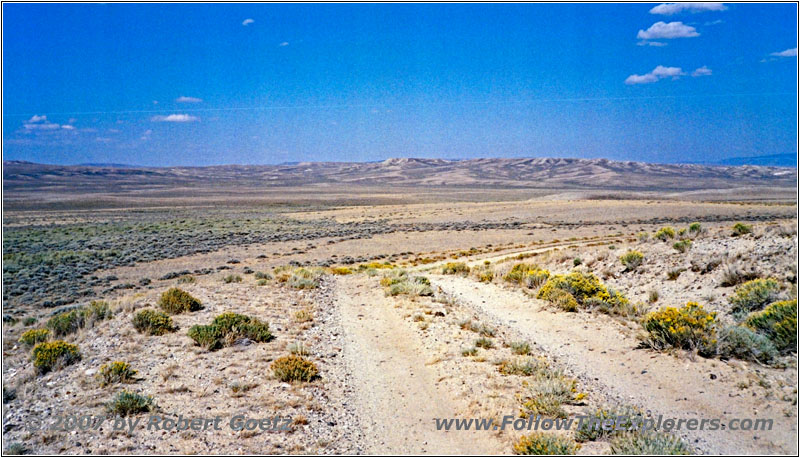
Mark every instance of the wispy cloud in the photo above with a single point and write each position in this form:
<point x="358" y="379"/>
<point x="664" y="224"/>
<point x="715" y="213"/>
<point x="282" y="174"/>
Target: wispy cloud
<point x="656" y="74"/>
<point x="669" y="9"/>
<point x="667" y="30"/>
<point x="248" y="21"/>
<point x="185" y="99"/>
<point x="284" y="43"/>
<point x="787" y="53"/>
<point x="41" y="123"/>
<point x="174" y="118"/>
<point x="702" y="71"/>
<point x="651" y="43"/>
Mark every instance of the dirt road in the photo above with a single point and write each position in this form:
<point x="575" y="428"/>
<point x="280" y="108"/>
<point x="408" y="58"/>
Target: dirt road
<point x="595" y="349"/>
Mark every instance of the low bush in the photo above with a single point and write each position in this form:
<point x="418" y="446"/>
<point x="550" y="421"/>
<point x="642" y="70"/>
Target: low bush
<point x="741" y="229"/>
<point x="69" y="321"/>
<point x="129" y="403"/>
<point x="582" y="290"/>
<point x="547" y="391"/>
<point x="453" y="268"/>
<point x="48" y="356"/>
<point x="592" y="429"/>
<point x="695" y="228"/>
<point x="262" y="276"/>
<point x="754" y="295"/>
<point x="397" y="282"/>
<point x="341" y="270"/>
<point x="522" y="366"/>
<point x="483" y="342"/>
<point x="294" y="368"/>
<point x="227" y="329"/>
<point x="665" y="233"/>
<point x="649" y="443"/>
<point x="116" y="372"/>
<point x="303" y="278"/>
<point x="632" y="259"/>
<point x="690" y="327"/>
<point x="34" y="336"/>
<point x="152" y="322"/>
<point x="682" y="246"/>
<point x="743" y="343"/>
<point x="520" y="348"/>
<point x="232" y="278"/>
<point x="778" y="322"/>
<point x="529" y="275"/>
<point x="545" y="444"/>
<point x="174" y="301"/>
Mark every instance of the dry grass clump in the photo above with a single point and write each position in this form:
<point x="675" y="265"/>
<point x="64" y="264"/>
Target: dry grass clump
<point x="547" y="391"/>
<point x="340" y="270"/>
<point x="175" y="301"/>
<point x="398" y="282"/>
<point x="294" y="368"/>
<point x="54" y="355"/>
<point x="303" y="278"/>
<point x="545" y="444"/>
<point x="152" y="322"/>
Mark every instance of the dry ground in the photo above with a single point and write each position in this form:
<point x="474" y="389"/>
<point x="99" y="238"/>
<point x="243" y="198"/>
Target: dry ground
<point x="389" y="365"/>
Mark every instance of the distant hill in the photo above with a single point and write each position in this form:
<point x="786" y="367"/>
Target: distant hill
<point x="774" y="160"/>
<point x="550" y="173"/>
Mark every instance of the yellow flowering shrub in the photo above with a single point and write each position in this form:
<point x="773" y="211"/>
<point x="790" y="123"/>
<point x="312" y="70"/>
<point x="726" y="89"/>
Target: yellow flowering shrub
<point x="690" y="327"/>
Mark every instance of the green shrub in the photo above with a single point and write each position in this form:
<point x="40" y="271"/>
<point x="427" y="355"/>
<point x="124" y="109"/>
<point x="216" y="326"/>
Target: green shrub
<point x="673" y="275"/>
<point x="294" y="368"/>
<point x="152" y="322"/>
<point x="54" y="355"/>
<point x="174" y="301"/>
<point x="665" y="233"/>
<point x="743" y="343"/>
<point x="15" y="449"/>
<point x="206" y="336"/>
<point x="70" y="321"/>
<point x="650" y="443"/>
<point x="129" y="403"/>
<point x="452" y="268"/>
<point x="577" y="261"/>
<point x="29" y="321"/>
<point x="34" y="336"/>
<point x="227" y="328"/>
<point x="690" y="328"/>
<point x="754" y="295"/>
<point x="632" y="259"/>
<point x="563" y="300"/>
<point x="741" y="229"/>
<point x="695" y="228"/>
<point x="262" y="276"/>
<point x="397" y="282"/>
<point x="545" y="444"/>
<point x="592" y="430"/>
<point x="116" y="372"/>
<point x="682" y="245"/>
<point x="232" y="278"/>
<point x="483" y="342"/>
<point x="778" y="322"/>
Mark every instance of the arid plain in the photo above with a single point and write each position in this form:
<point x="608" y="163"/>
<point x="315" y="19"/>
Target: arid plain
<point x="373" y="298"/>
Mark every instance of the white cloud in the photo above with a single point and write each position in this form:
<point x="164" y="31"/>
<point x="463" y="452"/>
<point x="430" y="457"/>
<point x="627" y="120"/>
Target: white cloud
<point x="285" y="43"/>
<point x="651" y="43"/>
<point x="656" y="74"/>
<point x="185" y="99"/>
<point x="247" y="22"/>
<point x="787" y="53"/>
<point x="673" y="8"/>
<point x="68" y="127"/>
<point x="174" y="118"/>
<point x="41" y="123"/>
<point x="667" y="30"/>
<point x="702" y="71"/>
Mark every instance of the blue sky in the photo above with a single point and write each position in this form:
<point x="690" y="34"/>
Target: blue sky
<point x="205" y="84"/>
